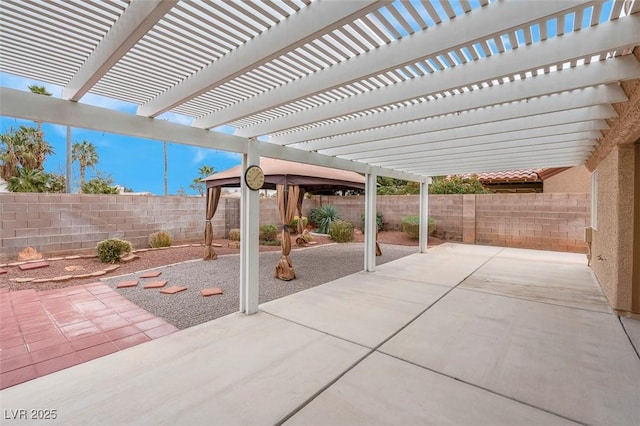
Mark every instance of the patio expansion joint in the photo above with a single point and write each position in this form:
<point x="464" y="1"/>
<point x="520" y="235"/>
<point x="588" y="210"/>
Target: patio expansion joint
<point x="629" y="337"/>
<point x="482" y="388"/>
<point x="371" y="351"/>
<point x="535" y="301"/>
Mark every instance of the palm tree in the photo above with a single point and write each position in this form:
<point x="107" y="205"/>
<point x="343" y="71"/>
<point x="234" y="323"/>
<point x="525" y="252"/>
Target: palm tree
<point x="39" y="90"/>
<point x="22" y="147"/>
<point x="27" y="180"/>
<point x="85" y="153"/>
<point x="203" y="172"/>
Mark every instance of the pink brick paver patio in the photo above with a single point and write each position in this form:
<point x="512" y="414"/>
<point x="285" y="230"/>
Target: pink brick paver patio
<point x="43" y="332"/>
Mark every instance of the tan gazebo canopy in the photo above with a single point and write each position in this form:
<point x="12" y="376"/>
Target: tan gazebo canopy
<point x="291" y="180"/>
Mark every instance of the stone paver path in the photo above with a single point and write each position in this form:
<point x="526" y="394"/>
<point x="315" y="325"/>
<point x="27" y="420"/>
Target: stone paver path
<point x="43" y="332"/>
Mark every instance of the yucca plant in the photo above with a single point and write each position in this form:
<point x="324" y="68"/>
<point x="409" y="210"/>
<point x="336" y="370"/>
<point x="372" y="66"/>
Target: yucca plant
<point x="323" y="216"/>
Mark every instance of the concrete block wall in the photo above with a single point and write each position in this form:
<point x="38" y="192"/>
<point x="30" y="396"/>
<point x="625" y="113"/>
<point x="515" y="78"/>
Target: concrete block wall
<point x="537" y="221"/>
<point x="75" y="223"/>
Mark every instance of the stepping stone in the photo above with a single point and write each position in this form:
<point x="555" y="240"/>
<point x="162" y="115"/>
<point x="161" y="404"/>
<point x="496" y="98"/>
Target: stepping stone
<point x="128" y="258"/>
<point x="40" y="281"/>
<point x="3" y="271"/>
<point x="156" y="284"/>
<point x="172" y="290"/>
<point x="30" y="266"/>
<point x="206" y="292"/>
<point x="126" y="284"/>
<point x="23" y="280"/>
<point x="151" y="274"/>
<point x="111" y="268"/>
<point x="98" y="273"/>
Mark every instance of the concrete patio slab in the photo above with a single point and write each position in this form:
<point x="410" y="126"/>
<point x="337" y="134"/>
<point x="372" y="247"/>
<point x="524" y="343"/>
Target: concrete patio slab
<point x="347" y="311"/>
<point x="447" y="264"/>
<point x="632" y="327"/>
<point x="572" y="362"/>
<point x="235" y="370"/>
<point x="382" y="390"/>
<point x="567" y="284"/>
<point x="543" y="256"/>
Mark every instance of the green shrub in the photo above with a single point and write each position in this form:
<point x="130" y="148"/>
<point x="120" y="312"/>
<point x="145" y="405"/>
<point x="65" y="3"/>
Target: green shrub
<point x="160" y="239"/>
<point x="411" y="225"/>
<point x="234" y="234"/>
<point x="268" y="232"/>
<point x="379" y="220"/>
<point x="341" y="231"/>
<point x="323" y="216"/>
<point x="109" y="251"/>
<point x="294" y="222"/>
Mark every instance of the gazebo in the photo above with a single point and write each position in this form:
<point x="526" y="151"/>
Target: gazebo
<point x="291" y="180"/>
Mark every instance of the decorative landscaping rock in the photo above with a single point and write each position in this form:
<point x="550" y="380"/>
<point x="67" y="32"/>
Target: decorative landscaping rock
<point x="111" y="268"/>
<point x="29" y="266"/>
<point x="156" y="284"/>
<point x="128" y="258"/>
<point x="151" y="274"/>
<point x="127" y="284"/>
<point x="61" y="278"/>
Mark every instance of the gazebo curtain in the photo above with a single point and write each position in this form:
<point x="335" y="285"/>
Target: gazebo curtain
<point x="288" y="198"/>
<point x="213" y="196"/>
<point x="299" y="207"/>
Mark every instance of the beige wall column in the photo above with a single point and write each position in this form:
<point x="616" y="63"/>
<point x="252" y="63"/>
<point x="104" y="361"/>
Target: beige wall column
<point x="612" y="248"/>
<point x="469" y="218"/>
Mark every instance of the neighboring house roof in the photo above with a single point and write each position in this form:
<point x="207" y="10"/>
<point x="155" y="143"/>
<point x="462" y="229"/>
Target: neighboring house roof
<point x="519" y="176"/>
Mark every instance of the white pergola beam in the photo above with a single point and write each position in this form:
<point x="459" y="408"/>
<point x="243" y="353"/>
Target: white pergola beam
<point x="591" y="102"/>
<point x="249" y="229"/>
<point x="547" y="124"/>
<point x="420" y="144"/>
<point x="370" y="224"/>
<point x="593" y="74"/>
<point x="514" y="153"/>
<point x="481" y="24"/>
<point x="16" y="103"/>
<point x="492" y="166"/>
<point x="605" y="37"/>
<point x="309" y="23"/>
<point x="443" y="157"/>
<point x="136" y="20"/>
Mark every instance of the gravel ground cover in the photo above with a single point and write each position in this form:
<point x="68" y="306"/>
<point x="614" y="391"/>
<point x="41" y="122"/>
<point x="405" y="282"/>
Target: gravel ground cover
<point x="313" y="266"/>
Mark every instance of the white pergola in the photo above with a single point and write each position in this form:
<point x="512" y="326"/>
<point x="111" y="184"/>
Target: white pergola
<point x="406" y="89"/>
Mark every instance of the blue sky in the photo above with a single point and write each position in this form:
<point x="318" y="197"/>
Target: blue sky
<point x="132" y="162"/>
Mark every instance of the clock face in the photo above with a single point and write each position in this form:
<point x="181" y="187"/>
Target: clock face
<point x="254" y="177"/>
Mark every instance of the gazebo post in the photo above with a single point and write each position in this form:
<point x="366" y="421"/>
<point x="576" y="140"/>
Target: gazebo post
<point x="249" y="230"/>
<point x="370" y="224"/>
<point x="424" y="215"/>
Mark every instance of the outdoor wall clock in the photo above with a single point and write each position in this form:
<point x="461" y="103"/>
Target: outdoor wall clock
<point x="254" y="177"/>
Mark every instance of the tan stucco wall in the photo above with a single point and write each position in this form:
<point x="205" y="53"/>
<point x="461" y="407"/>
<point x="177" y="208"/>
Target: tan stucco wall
<point x="613" y="238"/>
<point x="573" y="181"/>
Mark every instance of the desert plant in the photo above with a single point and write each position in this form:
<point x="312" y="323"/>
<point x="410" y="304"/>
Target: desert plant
<point x="379" y="220"/>
<point x="234" y="234"/>
<point x="268" y="232"/>
<point x="323" y="216"/>
<point x="411" y="225"/>
<point x="110" y="250"/>
<point x="160" y="239"/>
<point x="294" y="222"/>
<point x="341" y="231"/>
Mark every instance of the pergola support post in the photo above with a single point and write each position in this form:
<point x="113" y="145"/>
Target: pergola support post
<point x="424" y="215"/>
<point x="249" y="230"/>
<point x="370" y="222"/>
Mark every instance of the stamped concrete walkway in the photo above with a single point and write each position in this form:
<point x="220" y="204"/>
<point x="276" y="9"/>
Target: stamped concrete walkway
<point x="47" y="331"/>
<point x="460" y="335"/>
